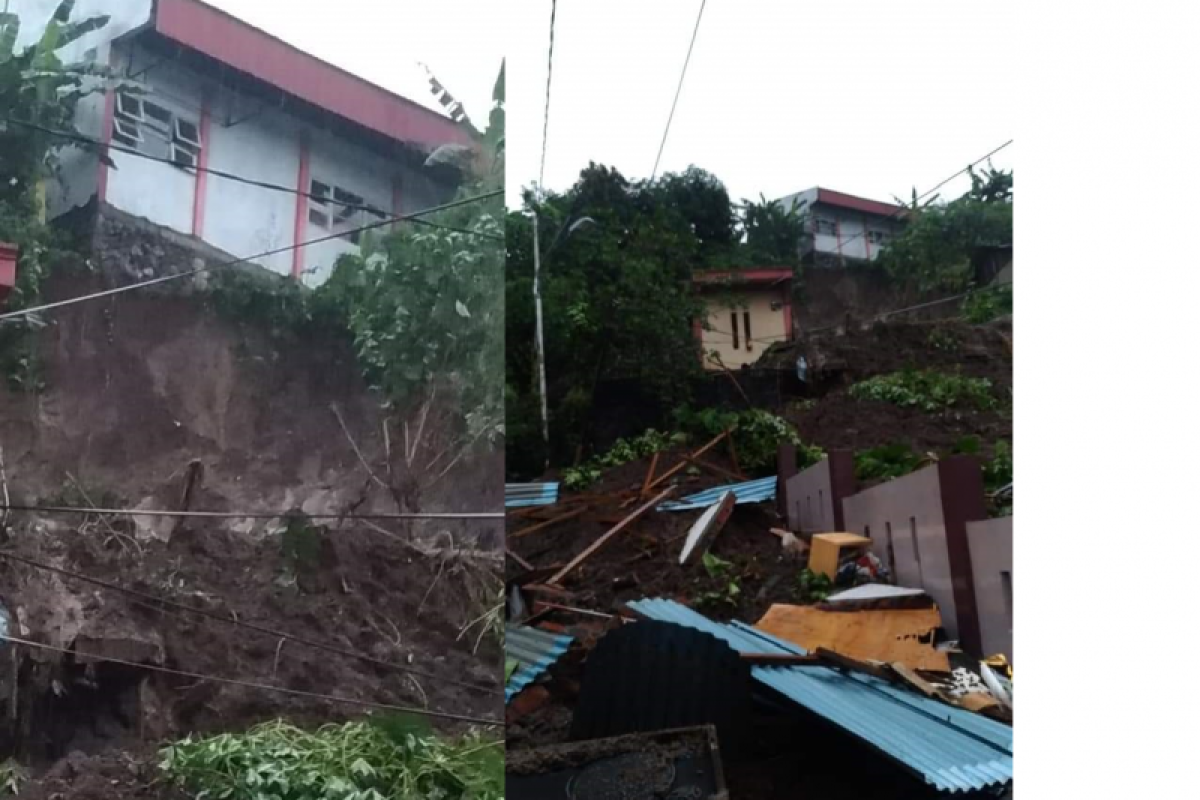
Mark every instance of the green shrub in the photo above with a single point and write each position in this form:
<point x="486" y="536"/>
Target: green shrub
<point x="757" y="435"/>
<point x="376" y="760"/>
<point x="998" y="472"/>
<point x="622" y="452"/>
<point x="985" y="305"/>
<point x="887" y="461"/>
<point x="928" y="390"/>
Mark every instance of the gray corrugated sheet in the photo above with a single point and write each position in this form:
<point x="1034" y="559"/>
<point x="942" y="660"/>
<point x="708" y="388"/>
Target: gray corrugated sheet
<point x="534" y="650"/>
<point x="517" y="495"/>
<point x="748" y="492"/>
<point x="952" y="749"/>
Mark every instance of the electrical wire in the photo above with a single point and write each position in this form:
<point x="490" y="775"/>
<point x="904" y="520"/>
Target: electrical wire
<point x="287" y="248"/>
<point x="266" y="687"/>
<point x="275" y="187"/>
<point x="154" y="601"/>
<point x="678" y="89"/>
<point x="549" y="75"/>
<point x="138" y="512"/>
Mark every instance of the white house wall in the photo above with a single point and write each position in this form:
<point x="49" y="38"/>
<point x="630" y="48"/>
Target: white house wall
<point x="242" y="219"/>
<point x="246" y="140"/>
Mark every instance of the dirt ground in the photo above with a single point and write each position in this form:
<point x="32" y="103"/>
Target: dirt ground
<point x="364" y="593"/>
<point x="643" y="561"/>
<point x="139" y="388"/>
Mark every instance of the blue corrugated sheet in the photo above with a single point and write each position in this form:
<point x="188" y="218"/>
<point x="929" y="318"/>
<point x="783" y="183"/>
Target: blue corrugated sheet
<point x="518" y="495"/>
<point x="953" y="749"/>
<point x="534" y="650"/>
<point x="748" y="492"/>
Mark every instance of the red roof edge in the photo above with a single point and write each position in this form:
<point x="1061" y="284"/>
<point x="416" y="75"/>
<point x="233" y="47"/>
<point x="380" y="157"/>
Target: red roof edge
<point x="764" y="275"/>
<point x="843" y="200"/>
<point x="242" y="46"/>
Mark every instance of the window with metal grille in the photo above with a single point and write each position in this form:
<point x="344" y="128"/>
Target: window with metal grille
<point x="148" y="127"/>
<point x="340" y="211"/>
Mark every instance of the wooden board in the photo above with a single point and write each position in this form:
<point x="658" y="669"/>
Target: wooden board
<point x="706" y="528"/>
<point x="891" y="635"/>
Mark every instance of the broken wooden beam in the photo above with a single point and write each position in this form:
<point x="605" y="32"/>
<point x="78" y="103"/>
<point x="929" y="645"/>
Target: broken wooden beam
<point x="737" y="467"/>
<point x="837" y="660"/>
<point x="613" y="531"/>
<point x="575" y="512"/>
<point x="525" y="564"/>
<point x="683" y="463"/>
<point x="720" y="472"/>
<point x="650" y="474"/>
<point x="781" y="660"/>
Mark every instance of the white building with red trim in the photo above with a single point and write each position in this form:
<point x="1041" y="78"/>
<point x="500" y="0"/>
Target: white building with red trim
<point x="226" y="96"/>
<point x="843" y="227"/>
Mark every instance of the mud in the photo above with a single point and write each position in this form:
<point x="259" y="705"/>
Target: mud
<point x="139" y="390"/>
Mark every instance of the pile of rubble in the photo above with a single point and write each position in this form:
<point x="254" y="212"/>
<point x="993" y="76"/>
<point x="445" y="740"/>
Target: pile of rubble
<point x="611" y="685"/>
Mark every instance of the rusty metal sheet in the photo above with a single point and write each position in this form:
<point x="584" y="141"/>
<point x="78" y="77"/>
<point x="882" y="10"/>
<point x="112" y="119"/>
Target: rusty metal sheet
<point x="892" y="635"/>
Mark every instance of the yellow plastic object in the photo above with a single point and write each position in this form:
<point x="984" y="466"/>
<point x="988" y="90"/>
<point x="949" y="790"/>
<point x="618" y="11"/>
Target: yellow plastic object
<point x="827" y="550"/>
<point x="999" y="663"/>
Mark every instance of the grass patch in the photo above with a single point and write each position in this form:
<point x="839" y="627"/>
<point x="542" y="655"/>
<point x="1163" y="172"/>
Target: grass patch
<point x="391" y="758"/>
<point x="928" y="390"/>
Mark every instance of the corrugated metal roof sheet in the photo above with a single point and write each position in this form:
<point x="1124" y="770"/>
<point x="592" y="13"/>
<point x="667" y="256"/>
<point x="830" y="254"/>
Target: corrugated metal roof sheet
<point x="748" y="492"/>
<point x="952" y="749"/>
<point x="535" y="650"/>
<point x="517" y="495"/>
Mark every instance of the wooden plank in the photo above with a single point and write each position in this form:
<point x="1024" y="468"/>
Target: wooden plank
<point x="839" y="661"/>
<point x="781" y="660"/>
<point x="706" y="528"/>
<point x="650" y="474"/>
<point x="613" y="531"/>
<point x="683" y="463"/>
<point x="720" y="472"/>
<point x="575" y="512"/>
<point x="914" y="680"/>
<point x="519" y="560"/>
<point x="887" y="635"/>
<point x="737" y="467"/>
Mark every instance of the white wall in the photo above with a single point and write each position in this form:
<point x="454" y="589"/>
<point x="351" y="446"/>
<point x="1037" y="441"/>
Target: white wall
<point x="161" y="193"/>
<point x="243" y="219"/>
<point x="244" y="139"/>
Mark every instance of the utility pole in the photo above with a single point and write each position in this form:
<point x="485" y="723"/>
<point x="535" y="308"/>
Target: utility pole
<point x="541" y="349"/>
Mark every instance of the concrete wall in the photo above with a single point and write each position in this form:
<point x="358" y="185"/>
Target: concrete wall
<point x="767" y="325"/>
<point x="814" y="497"/>
<point x="991" y="544"/>
<point x="917" y="525"/>
<point x="907" y="526"/>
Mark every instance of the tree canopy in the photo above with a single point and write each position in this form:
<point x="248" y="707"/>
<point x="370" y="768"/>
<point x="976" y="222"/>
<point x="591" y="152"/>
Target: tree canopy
<point x="618" y="258"/>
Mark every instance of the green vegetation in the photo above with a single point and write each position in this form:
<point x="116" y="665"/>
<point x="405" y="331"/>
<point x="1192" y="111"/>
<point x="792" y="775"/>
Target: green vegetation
<point x="986" y="304"/>
<point x="617" y="259"/>
<point x="389" y="759"/>
<point x="998" y="472"/>
<point x="927" y="390"/>
<point x="886" y="462"/>
<point x="622" y="452"/>
<point x="38" y="88"/>
<point x="936" y="248"/>
<point x="814" y="587"/>
<point x="757" y="435"/>
<point x="510" y="667"/>
<point x="12" y="778"/>
<point x="719" y="569"/>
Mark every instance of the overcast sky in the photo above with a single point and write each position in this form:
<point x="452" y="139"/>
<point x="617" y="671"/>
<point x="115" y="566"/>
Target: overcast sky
<point x="462" y="41"/>
<point x="869" y="97"/>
